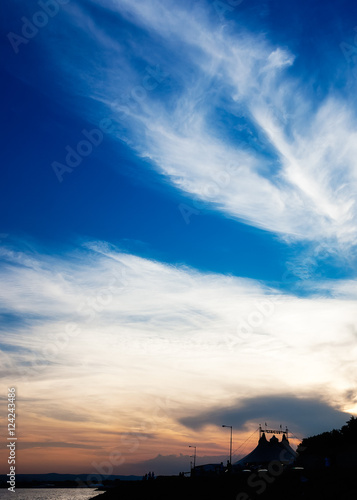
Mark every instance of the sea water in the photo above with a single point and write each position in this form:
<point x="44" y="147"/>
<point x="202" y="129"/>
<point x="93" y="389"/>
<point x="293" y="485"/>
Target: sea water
<point x="49" y="494"/>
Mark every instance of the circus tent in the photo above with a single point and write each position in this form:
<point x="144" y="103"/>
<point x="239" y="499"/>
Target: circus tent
<point x="267" y="451"/>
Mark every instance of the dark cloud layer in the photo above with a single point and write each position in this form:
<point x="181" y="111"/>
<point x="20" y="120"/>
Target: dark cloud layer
<point x="305" y="416"/>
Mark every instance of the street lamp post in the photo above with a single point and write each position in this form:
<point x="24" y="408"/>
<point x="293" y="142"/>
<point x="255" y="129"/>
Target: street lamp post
<point x="194" y="455"/>
<point x="230" y="444"/>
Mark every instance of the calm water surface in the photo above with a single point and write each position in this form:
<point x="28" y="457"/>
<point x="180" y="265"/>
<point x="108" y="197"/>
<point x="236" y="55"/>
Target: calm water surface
<point x="49" y="494"/>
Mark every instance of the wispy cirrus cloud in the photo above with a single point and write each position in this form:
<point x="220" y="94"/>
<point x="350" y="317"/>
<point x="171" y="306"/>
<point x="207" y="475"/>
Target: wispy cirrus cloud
<point x="164" y="341"/>
<point x="119" y="313"/>
<point x="281" y="161"/>
<point x="223" y="116"/>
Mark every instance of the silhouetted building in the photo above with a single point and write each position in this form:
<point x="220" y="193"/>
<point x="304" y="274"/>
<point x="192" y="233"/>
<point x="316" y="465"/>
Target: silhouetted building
<point x="208" y="470"/>
<point x="267" y="451"/>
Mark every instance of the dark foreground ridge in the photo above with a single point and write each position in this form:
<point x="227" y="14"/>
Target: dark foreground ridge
<point x="324" y="468"/>
<point x="291" y="485"/>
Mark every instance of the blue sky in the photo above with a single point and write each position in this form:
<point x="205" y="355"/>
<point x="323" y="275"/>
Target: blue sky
<point x="216" y="150"/>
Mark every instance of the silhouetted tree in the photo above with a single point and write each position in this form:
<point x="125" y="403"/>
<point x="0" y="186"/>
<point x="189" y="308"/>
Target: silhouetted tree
<point x="330" y="444"/>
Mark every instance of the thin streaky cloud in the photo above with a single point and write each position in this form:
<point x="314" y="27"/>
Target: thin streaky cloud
<point x="300" y="184"/>
<point x="173" y="311"/>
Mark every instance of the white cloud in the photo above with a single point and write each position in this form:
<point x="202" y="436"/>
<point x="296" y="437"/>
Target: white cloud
<point x="279" y="58"/>
<point x="134" y="344"/>
<point x="147" y="328"/>
<point x="299" y="182"/>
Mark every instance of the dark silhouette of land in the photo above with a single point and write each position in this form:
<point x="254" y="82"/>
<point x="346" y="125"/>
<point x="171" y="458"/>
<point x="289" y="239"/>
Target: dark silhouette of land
<point x="326" y="485"/>
<point x="325" y="468"/>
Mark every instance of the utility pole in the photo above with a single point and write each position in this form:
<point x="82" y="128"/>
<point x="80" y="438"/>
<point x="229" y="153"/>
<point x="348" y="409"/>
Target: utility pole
<point x="194" y="455"/>
<point x="230" y="444"/>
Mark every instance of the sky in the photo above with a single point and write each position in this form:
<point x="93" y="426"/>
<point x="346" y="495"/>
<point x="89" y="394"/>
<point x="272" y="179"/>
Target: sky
<point x="178" y="227"/>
